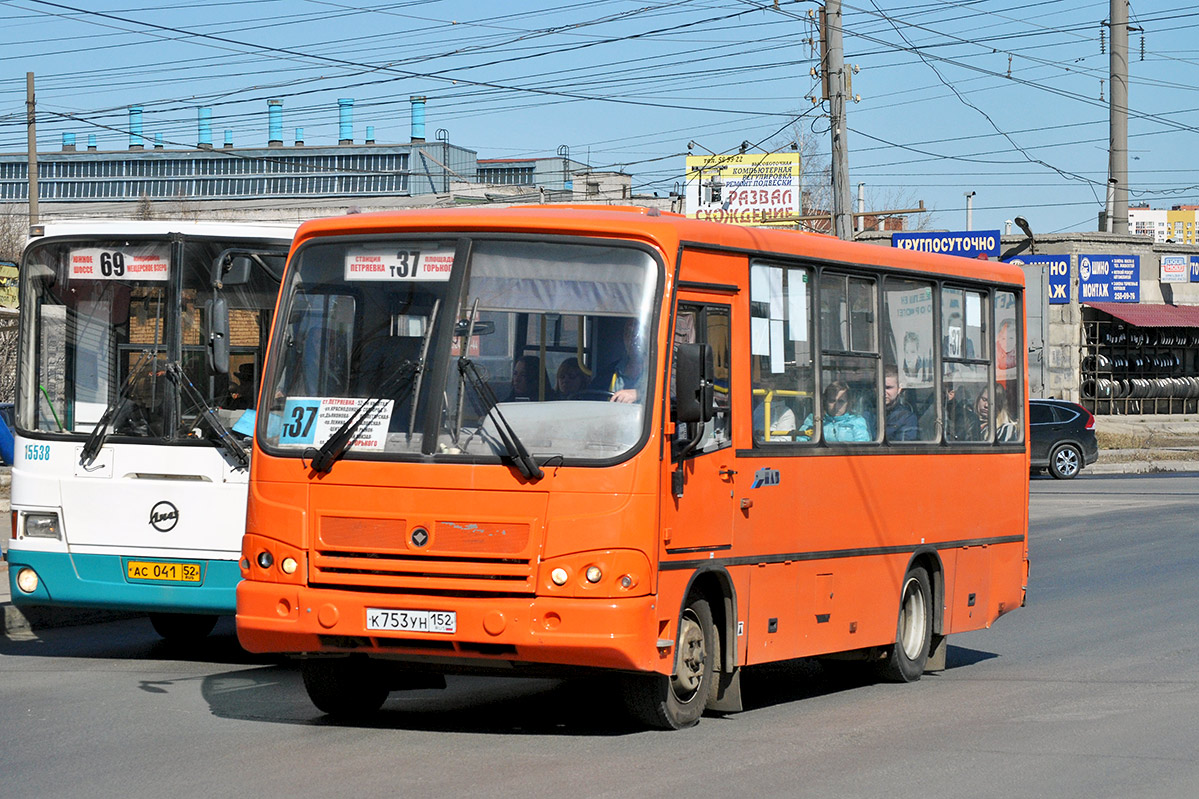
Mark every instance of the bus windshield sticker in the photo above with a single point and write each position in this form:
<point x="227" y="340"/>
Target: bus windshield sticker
<point x="403" y="264"/>
<point x="310" y="421"/>
<point x="126" y="263"/>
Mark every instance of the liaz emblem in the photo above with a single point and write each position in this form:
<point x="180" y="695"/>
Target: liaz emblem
<point x="164" y="516"/>
<point x="766" y="477"/>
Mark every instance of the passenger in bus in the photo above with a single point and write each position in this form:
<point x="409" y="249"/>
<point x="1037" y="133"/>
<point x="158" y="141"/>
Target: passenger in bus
<point x="569" y="379"/>
<point x="625" y="377"/>
<point x="957" y="416"/>
<point x="241" y="395"/>
<point x="527" y="379"/>
<point x="839" y="423"/>
<point x="1005" y="426"/>
<point x="782" y="420"/>
<point x="901" y="421"/>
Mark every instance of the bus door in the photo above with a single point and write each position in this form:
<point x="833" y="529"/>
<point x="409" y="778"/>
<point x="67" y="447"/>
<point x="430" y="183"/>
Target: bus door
<point x="701" y="509"/>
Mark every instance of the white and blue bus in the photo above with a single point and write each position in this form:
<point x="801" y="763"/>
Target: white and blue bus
<point x="141" y="345"/>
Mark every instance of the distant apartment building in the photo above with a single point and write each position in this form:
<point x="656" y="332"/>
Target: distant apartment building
<point x="1178" y="225"/>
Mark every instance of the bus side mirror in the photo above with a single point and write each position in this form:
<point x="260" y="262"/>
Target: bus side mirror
<point x="231" y="269"/>
<point x="695" y="393"/>
<point x="218" y="335"/>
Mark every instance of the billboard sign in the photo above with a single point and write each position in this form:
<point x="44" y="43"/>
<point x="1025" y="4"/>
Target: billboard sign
<point x="1175" y="269"/>
<point x="966" y="243"/>
<point x="1058" y="274"/>
<point x="1109" y="278"/>
<point x="743" y="188"/>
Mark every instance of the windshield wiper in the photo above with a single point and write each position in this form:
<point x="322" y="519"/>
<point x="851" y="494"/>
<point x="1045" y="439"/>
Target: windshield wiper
<point x="224" y="438"/>
<point x="95" y="439"/>
<point x="520" y="456"/>
<point x="336" y="446"/>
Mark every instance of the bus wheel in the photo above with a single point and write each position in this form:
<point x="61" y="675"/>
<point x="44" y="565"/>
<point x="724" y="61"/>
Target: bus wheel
<point x="906" y="660"/>
<point x="677" y="701"/>
<point x="349" y="687"/>
<point x="182" y="628"/>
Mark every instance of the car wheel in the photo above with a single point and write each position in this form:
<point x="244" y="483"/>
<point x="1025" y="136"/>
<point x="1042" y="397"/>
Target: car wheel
<point x="1065" y="462"/>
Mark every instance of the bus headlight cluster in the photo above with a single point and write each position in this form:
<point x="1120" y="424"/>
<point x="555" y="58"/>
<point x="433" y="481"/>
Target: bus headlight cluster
<point x="42" y="525"/>
<point x="610" y="573"/>
<point x="268" y="559"/>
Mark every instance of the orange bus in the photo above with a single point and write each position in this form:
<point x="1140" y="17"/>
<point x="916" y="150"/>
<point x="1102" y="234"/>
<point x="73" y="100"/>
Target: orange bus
<point x="539" y="440"/>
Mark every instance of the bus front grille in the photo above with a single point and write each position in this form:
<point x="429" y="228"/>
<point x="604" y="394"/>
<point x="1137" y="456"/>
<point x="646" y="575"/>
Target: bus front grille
<point x="429" y="574"/>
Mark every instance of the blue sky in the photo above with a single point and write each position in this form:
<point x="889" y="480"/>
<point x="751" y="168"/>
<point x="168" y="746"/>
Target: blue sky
<point x="998" y="97"/>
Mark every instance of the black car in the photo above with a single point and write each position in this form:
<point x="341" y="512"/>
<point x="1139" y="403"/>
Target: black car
<point x="1062" y="437"/>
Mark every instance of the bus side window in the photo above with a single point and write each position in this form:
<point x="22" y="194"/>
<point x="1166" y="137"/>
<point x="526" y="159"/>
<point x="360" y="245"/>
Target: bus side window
<point x="782" y="378"/>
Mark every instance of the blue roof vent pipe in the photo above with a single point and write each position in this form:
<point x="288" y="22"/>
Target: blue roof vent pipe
<point x="157" y="141"/>
<point x="275" y="110"/>
<point x="68" y="142"/>
<point x="135" y="127"/>
<point x="370" y="134"/>
<point x="91" y="141"/>
<point x="228" y="138"/>
<point x="204" y="132"/>
<point x="299" y="137"/>
<point x="346" y="105"/>
<point x="418" y="118"/>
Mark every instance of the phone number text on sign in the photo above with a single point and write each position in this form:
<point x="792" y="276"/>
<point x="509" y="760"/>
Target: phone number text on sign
<point x="401" y="264"/>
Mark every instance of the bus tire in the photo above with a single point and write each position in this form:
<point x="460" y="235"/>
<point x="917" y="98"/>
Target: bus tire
<point x="182" y="628"/>
<point x="350" y="687"/>
<point x="906" y="660"/>
<point x="675" y="701"/>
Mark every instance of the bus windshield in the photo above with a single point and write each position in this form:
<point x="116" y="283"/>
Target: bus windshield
<point x="105" y="319"/>
<point x="450" y="347"/>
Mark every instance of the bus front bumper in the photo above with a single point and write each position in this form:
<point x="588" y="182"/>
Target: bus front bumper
<point x="103" y="582"/>
<point x="497" y="632"/>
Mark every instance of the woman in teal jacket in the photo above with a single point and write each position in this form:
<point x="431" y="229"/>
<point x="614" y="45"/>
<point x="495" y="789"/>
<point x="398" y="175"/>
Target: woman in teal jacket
<point x="839" y="424"/>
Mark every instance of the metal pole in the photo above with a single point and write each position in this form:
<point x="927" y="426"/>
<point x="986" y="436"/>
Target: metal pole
<point x="842" y="213"/>
<point x="32" y="145"/>
<point x="1117" y="170"/>
<point x="970" y="210"/>
<point x="861" y="207"/>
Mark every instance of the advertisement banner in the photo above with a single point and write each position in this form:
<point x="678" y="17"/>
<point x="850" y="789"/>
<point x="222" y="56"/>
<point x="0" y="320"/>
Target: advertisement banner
<point x="966" y="243"/>
<point x="744" y="188"/>
<point x="1195" y="268"/>
<point x="1109" y="278"/>
<point x="1058" y="273"/>
<point x="1175" y="269"/>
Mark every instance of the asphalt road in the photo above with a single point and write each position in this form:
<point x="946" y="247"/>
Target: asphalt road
<point x="1089" y="691"/>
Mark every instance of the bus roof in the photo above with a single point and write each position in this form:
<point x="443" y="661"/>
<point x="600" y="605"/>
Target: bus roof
<point x="163" y="227"/>
<point x="667" y="230"/>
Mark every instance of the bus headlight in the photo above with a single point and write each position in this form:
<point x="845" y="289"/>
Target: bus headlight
<point x="42" y="525"/>
<point x="27" y="580"/>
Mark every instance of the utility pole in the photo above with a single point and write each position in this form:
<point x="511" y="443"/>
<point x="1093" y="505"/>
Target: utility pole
<point x="834" y="68"/>
<point x="32" y="144"/>
<point x="1117" y="169"/>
